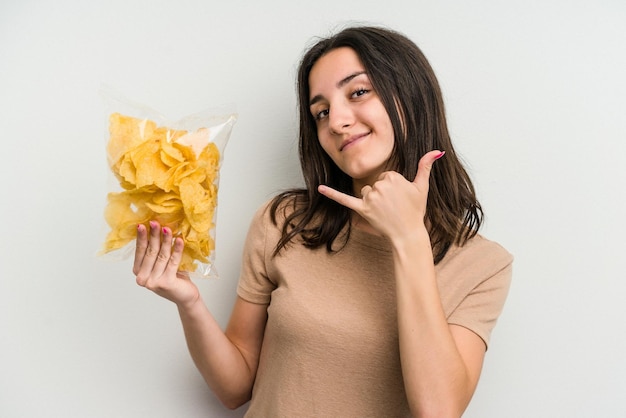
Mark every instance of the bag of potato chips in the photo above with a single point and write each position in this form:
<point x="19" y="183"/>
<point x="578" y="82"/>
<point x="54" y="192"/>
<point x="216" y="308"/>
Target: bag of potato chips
<point x="167" y="172"/>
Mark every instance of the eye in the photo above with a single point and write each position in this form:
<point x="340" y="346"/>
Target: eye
<point x="359" y="92"/>
<point x="321" y="114"/>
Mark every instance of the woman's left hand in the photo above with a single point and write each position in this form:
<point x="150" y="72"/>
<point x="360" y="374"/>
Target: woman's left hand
<point x="392" y="205"/>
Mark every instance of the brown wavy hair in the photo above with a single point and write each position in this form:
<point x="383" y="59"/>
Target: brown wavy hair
<point x="409" y="91"/>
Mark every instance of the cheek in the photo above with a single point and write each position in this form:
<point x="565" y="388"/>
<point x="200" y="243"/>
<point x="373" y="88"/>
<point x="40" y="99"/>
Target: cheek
<point x="388" y="132"/>
<point x="330" y="150"/>
<point x="324" y="142"/>
<point x="380" y="118"/>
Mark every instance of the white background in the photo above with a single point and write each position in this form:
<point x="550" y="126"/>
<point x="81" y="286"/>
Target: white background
<point x="536" y="100"/>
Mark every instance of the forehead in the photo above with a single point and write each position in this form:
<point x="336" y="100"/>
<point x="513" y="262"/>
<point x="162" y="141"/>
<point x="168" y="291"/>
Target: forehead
<point x="333" y="67"/>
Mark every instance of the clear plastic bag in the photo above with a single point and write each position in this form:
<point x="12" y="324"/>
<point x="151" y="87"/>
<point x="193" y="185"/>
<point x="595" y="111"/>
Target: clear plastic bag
<point x="167" y="172"/>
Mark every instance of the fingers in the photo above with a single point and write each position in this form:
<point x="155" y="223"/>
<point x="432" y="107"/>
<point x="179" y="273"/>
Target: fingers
<point x="176" y="257"/>
<point x="147" y="249"/>
<point x="154" y="256"/>
<point x="348" y="201"/>
<point x="424" y="167"/>
<point x="140" y="247"/>
<point x="356" y="204"/>
<point x="163" y="250"/>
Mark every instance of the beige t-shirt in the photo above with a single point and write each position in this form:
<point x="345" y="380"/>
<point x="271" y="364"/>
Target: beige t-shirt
<point x="331" y="342"/>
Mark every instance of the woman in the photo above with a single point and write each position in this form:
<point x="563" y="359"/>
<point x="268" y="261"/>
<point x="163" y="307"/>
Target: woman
<point x="356" y="298"/>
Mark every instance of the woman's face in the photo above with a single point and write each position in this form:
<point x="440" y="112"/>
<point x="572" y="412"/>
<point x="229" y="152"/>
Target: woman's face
<point x="353" y="126"/>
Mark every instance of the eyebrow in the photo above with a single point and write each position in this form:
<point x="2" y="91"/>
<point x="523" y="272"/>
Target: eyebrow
<point x="339" y="84"/>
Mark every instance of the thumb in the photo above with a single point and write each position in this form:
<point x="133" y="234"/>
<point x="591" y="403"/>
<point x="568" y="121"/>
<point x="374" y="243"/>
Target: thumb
<point x="424" y="166"/>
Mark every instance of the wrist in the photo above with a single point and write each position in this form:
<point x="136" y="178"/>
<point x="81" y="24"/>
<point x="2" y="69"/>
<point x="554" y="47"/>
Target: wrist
<point x="411" y="238"/>
<point x="191" y="307"/>
<point x="412" y="249"/>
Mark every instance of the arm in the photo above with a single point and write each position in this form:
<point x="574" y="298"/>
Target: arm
<point x="227" y="360"/>
<point x="441" y="363"/>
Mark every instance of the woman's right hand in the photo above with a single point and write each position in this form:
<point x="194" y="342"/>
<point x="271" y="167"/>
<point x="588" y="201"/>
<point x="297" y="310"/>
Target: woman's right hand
<point x="156" y="265"/>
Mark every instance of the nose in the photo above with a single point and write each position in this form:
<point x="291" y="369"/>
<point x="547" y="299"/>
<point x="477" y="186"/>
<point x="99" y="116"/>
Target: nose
<point x="340" y="117"/>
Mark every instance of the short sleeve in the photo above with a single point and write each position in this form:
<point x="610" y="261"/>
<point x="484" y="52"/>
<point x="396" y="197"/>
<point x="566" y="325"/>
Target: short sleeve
<point x="476" y="282"/>
<point x="254" y="283"/>
<point x="480" y="310"/>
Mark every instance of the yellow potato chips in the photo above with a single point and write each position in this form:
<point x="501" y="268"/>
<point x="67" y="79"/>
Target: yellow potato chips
<point x="165" y="175"/>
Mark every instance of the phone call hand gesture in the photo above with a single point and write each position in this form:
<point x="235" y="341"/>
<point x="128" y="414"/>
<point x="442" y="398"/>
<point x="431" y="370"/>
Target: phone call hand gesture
<point x="392" y="205"/>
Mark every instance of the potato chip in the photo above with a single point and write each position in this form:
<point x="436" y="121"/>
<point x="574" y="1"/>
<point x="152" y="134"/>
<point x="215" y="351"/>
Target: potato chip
<point x="197" y="204"/>
<point x="163" y="202"/>
<point x="166" y="175"/>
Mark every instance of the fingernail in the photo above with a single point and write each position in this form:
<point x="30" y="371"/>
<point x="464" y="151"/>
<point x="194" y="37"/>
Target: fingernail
<point x="438" y="156"/>
<point x="165" y="231"/>
<point x="152" y="224"/>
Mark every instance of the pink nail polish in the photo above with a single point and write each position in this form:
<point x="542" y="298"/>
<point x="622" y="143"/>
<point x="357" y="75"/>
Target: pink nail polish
<point x="152" y="224"/>
<point x="441" y="154"/>
<point x="165" y="231"/>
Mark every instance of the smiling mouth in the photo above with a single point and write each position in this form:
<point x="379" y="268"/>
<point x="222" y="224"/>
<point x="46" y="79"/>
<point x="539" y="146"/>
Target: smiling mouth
<point x="352" y="140"/>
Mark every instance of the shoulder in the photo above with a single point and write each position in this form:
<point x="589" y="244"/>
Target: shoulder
<point x="274" y="211"/>
<point x="272" y="214"/>
<point x="481" y="245"/>
<point x="474" y="281"/>
<point x="478" y="259"/>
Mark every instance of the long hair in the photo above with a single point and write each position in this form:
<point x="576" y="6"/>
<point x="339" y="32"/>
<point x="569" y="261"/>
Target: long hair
<point x="410" y="93"/>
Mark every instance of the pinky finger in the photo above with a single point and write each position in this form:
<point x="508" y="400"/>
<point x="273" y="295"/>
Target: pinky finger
<point x="176" y="257"/>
